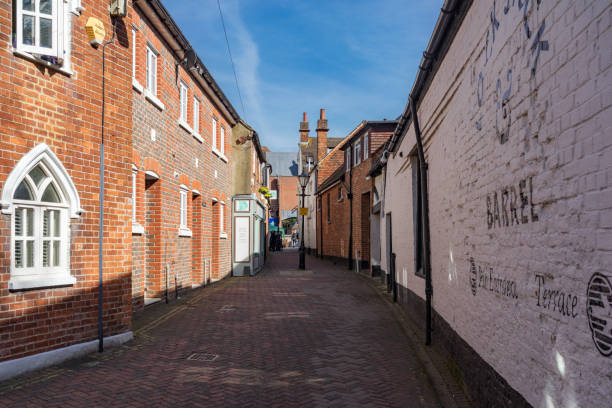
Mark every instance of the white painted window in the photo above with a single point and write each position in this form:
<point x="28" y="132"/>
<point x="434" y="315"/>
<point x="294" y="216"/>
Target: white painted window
<point x="38" y="26"/>
<point x="151" y="71"/>
<point x="357" y="151"/>
<point x="134" y="196"/>
<point x="134" y="54"/>
<point x="183" y="218"/>
<point x="196" y="115"/>
<point x="222" y="217"/>
<point x="365" y="146"/>
<point x="214" y="133"/>
<point x="41" y="199"/>
<point x="347" y="159"/>
<point x="222" y="141"/>
<point x="184" y="92"/>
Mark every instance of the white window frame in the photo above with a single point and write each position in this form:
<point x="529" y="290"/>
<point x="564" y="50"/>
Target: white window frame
<point x="134" y="55"/>
<point x="134" y="195"/>
<point x="222" y="218"/>
<point x="184" y="94"/>
<point x="196" y="115"/>
<point x="61" y="34"/>
<point x="184" y="230"/>
<point x="366" y="139"/>
<point x="214" y="133"/>
<point x="222" y="141"/>
<point x="151" y="70"/>
<point x="39" y="276"/>
<point x="137" y="228"/>
<point x="357" y="152"/>
<point x="348" y="158"/>
<point x="56" y="21"/>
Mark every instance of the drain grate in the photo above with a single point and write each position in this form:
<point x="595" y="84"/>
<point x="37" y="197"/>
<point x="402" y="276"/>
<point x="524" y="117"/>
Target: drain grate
<point x="199" y="356"/>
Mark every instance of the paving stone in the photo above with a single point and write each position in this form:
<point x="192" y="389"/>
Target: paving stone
<point x="326" y="341"/>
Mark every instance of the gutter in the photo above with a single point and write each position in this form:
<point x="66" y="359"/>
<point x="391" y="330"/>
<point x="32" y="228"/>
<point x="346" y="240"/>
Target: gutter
<point x="450" y="19"/>
<point x="155" y="11"/>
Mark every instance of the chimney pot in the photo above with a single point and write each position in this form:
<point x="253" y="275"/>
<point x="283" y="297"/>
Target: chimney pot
<point x="322" y="114"/>
<point x="305" y="120"/>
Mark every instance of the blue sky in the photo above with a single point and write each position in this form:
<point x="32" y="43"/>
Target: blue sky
<point x="355" y="58"/>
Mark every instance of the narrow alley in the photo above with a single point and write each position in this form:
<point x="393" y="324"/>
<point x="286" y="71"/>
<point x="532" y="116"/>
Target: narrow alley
<point x="321" y="337"/>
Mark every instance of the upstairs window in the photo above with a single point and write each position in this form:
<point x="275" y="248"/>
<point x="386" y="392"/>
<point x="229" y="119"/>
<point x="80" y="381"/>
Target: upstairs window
<point x="222" y="141"/>
<point x="365" y="146"/>
<point x="183" y="110"/>
<point x="151" y="71"/>
<point x="134" y="55"/>
<point x="196" y="115"/>
<point x="357" y="151"/>
<point x="347" y="158"/>
<point x="214" y="133"/>
<point x="38" y="26"/>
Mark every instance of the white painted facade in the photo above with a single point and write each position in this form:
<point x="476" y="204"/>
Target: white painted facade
<point x="509" y="119"/>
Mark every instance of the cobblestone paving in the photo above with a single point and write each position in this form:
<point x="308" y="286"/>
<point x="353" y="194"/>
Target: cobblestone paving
<point x="285" y="338"/>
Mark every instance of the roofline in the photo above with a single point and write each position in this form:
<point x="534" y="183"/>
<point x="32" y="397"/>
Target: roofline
<point x="339" y="145"/>
<point x="448" y="23"/>
<point x="333" y="179"/>
<point x="367" y="125"/>
<point x="180" y="46"/>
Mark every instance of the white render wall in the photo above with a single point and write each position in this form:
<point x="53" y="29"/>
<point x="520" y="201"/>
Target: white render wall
<point x="558" y="152"/>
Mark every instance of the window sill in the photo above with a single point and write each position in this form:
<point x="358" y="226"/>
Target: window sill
<point x="218" y="153"/>
<point x="198" y="137"/>
<point x="185" y="126"/>
<point x="223" y="235"/>
<point x="185" y="232"/>
<point x="136" y="85"/>
<point x="153" y="99"/>
<point x="47" y="64"/>
<point x="137" y="229"/>
<point x="33" y="282"/>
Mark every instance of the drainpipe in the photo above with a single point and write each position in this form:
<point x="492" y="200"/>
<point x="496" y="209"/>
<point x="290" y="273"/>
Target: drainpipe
<point x="425" y="222"/>
<point x="350" y="197"/>
<point x="101" y="225"/>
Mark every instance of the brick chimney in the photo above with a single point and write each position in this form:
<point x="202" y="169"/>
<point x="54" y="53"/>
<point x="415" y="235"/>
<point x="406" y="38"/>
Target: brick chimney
<point x="304" y="131"/>
<point x="321" y="136"/>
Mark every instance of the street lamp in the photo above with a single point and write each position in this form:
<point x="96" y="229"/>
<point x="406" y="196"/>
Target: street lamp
<point x="303" y="179"/>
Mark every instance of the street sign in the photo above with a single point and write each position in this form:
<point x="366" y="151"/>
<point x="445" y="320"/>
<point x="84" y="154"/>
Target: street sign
<point x="303" y="211"/>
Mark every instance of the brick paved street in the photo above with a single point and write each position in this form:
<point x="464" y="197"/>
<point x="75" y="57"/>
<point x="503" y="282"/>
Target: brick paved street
<point x="321" y="337"/>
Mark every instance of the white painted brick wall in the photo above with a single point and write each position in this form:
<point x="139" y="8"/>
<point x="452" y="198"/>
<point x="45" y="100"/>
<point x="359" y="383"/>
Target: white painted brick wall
<point x="561" y="136"/>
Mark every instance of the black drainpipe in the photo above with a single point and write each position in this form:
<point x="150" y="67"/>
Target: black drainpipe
<point x="350" y="197"/>
<point x="424" y="221"/>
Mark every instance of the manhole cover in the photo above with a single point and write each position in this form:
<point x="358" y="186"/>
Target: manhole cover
<point x="227" y="308"/>
<point x="202" y="356"/>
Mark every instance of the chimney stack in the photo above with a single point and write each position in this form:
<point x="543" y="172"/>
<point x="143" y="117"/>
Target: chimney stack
<point x="321" y="136"/>
<point x="304" y="131"/>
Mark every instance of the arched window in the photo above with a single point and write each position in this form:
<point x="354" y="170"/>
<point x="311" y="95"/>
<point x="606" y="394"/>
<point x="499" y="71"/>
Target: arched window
<point x="41" y="199"/>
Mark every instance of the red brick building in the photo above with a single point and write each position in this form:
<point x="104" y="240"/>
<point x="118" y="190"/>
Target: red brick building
<point x="182" y="124"/>
<point x="50" y="145"/>
<point x="344" y="199"/>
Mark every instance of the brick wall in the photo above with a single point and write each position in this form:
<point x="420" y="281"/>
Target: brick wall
<point x="40" y="105"/>
<point x="333" y="224"/>
<point x="179" y="155"/>
<point x="516" y="125"/>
